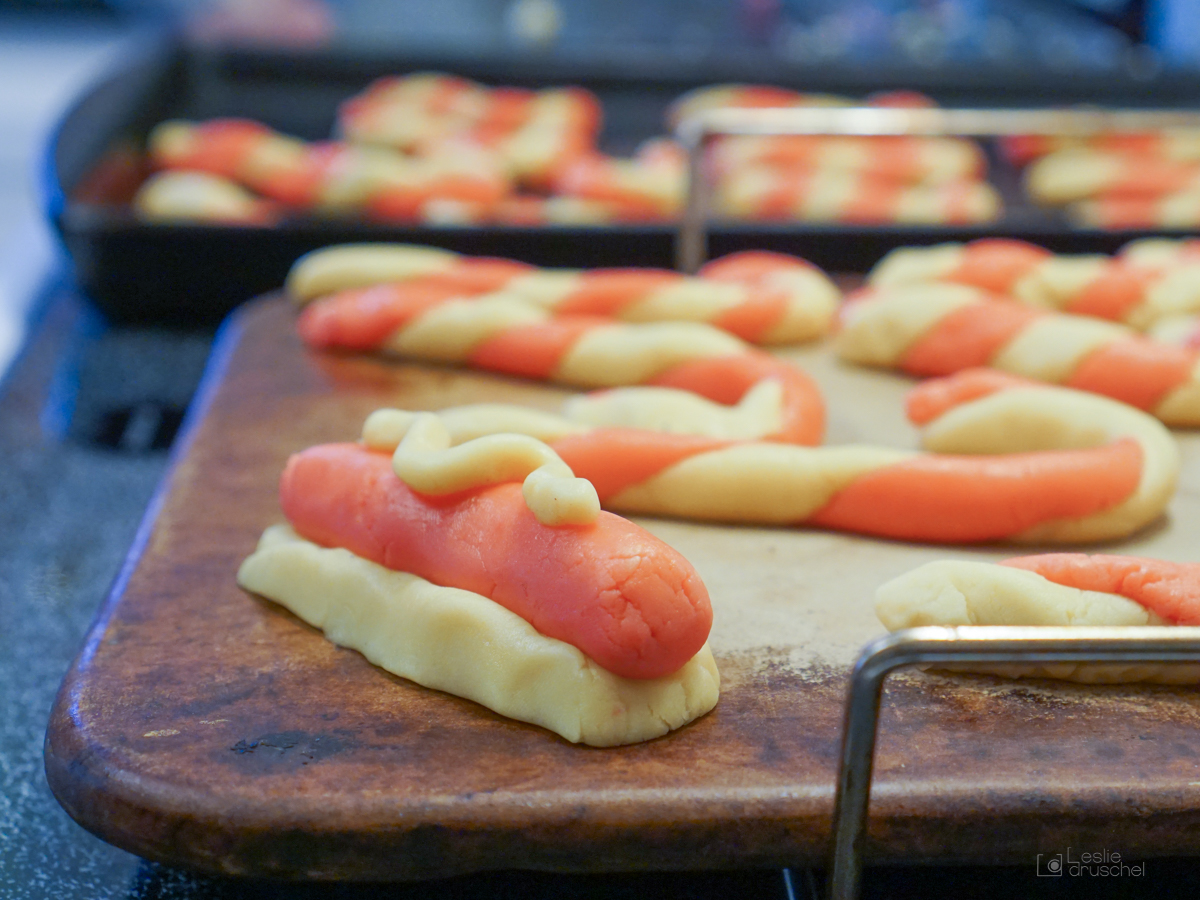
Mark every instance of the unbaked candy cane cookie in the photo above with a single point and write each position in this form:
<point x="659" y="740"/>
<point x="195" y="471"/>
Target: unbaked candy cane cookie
<point x="1004" y="460"/>
<point x="405" y="112"/>
<point x="1059" y="589"/>
<point x="329" y="175"/>
<point x="839" y="178"/>
<point x="200" y="197"/>
<point x="1161" y="252"/>
<point x="1127" y="288"/>
<point x="649" y="186"/>
<point x="1181" y="144"/>
<point x="768" y="298"/>
<point x="1078" y="174"/>
<point x="438" y="564"/>
<point x="905" y="160"/>
<point x="937" y="329"/>
<point x="517" y="338"/>
<point x="533" y="135"/>
<point x="763" y="192"/>
<point x="1179" y="210"/>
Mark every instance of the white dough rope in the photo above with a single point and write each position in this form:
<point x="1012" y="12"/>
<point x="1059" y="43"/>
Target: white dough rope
<point x="425" y="460"/>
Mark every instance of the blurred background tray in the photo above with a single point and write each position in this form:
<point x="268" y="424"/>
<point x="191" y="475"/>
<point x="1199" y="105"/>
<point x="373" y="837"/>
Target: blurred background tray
<point x="194" y="274"/>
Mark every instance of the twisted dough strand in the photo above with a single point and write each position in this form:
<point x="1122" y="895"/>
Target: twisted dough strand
<point x="760" y="192"/>
<point x="904" y="160"/>
<point x="649" y="186"/>
<point x="1176" y="211"/>
<point x="505" y="335"/>
<point x="1008" y="461"/>
<point x="327" y="175"/>
<point x="1081" y="173"/>
<point x="534" y="134"/>
<point x="937" y="329"/>
<point x="404" y="112"/>
<point x="1155" y="252"/>
<point x="1058" y="589"/>
<point x="1180" y="144"/>
<point x="768" y="298"/>
<point x="849" y="179"/>
<point x="707" y="428"/>
<point x="199" y="197"/>
<point x="1135" y="289"/>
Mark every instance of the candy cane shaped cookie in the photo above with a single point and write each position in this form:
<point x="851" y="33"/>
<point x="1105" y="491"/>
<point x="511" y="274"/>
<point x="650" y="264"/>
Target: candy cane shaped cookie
<point x="900" y="159"/>
<point x="1116" y="289"/>
<point x="647" y="187"/>
<point x="760" y="192"/>
<point x="937" y="329"/>
<point x="1071" y="175"/>
<point x="1181" y="145"/>
<point x="200" y="197"/>
<point x="553" y="129"/>
<point x="1160" y="252"/>
<point x="1005" y="460"/>
<point x="1178" y="210"/>
<point x="534" y="134"/>
<point x="439" y="565"/>
<point x="240" y="150"/>
<point x="905" y="160"/>
<point x="1057" y="589"/>
<point x="768" y="298"/>
<point x="324" y="175"/>
<point x="404" y="112"/>
<point x="999" y="265"/>
<point x="504" y="335"/>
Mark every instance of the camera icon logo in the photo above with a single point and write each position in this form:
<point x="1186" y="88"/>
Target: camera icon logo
<point x="1049" y="865"/>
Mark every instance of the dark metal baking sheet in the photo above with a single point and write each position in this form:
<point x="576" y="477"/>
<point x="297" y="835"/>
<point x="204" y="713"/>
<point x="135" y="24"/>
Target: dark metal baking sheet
<point x="194" y="274"/>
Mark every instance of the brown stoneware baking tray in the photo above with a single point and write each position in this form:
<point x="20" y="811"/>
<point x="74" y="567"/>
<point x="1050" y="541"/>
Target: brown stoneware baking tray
<point x="207" y="727"/>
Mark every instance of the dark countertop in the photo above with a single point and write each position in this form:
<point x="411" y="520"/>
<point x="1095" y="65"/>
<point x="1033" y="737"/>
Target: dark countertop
<point x="85" y="416"/>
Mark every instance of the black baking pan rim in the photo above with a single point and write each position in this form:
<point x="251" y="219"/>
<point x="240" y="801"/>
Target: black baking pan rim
<point x="958" y="83"/>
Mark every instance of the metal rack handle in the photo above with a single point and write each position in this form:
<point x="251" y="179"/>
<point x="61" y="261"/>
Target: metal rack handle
<point x="696" y="132"/>
<point x="955" y="646"/>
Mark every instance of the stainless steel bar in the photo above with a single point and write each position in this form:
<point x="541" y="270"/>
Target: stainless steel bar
<point x="696" y="132"/>
<point x="956" y="646"/>
<point x="872" y="121"/>
<point x="691" y="245"/>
